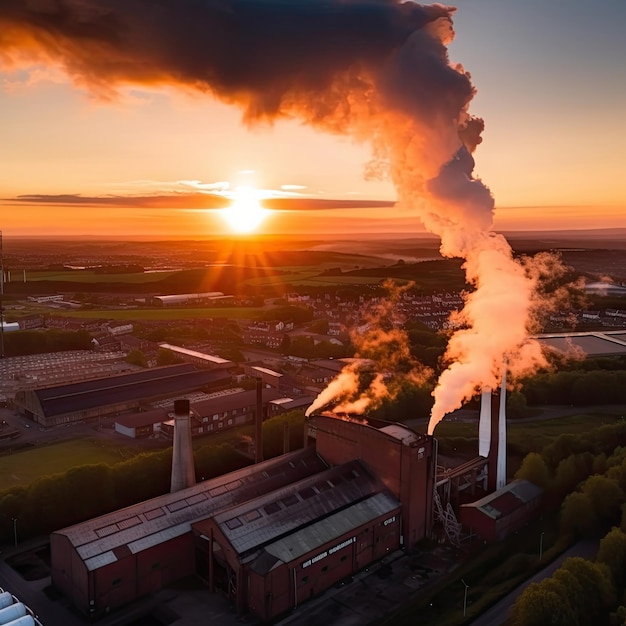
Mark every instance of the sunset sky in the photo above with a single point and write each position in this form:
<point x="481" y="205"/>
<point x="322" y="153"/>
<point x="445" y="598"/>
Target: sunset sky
<point x="551" y="81"/>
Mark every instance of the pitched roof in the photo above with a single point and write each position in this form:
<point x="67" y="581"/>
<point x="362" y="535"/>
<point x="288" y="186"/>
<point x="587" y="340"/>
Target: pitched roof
<point x="258" y="522"/>
<point x="110" y="537"/>
<point x="506" y="500"/>
<point x="155" y="382"/>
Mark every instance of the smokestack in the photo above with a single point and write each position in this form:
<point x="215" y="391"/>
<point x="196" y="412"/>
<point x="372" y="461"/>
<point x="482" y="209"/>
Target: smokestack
<point x="183" y="472"/>
<point x="492" y="436"/>
<point x="258" y="422"/>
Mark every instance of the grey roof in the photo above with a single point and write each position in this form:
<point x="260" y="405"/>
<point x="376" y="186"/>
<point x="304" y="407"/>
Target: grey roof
<point x="209" y="358"/>
<point x="290" y="404"/>
<point x="315" y="535"/>
<point x="107" y="538"/>
<point x="155" y="382"/>
<point x="145" y="418"/>
<point x="609" y="343"/>
<point x="263" y="520"/>
<point x="231" y="401"/>
<point x="506" y="500"/>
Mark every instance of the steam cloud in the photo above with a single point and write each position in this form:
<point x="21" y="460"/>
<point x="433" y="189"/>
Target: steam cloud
<point x="376" y="70"/>
<point x="382" y="342"/>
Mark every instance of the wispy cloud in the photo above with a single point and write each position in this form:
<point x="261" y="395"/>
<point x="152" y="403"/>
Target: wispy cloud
<point x="193" y="201"/>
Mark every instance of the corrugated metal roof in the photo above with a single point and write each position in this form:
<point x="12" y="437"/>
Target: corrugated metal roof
<point x="402" y="433"/>
<point x="321" y="532"/>
<point x="241" y="400"/>
<point x="609" y="343"/>
<point x="209" y="358"/>
<point x="145" y="418"/>
<point x="159" y="381"/>
<point x="157" y="520"/>
<point x="500" y="502"/>
<point x="264" y="519"/>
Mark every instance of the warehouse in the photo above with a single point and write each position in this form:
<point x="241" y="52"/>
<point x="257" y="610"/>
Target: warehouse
<point x="502" y="512"/>
<point x="268" y="536"/>
<point x="111" y="560"/>
<point x="113" y="394"/>
<point x="299" y="540"/>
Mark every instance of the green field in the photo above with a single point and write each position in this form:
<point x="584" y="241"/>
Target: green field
<point x="89" y="276"/>
<point x="166" y="314"/>
<point x="22" y="468"/>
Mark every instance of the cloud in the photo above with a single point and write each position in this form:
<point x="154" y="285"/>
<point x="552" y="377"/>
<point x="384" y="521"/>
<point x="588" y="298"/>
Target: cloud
<point x="197" y="201"/>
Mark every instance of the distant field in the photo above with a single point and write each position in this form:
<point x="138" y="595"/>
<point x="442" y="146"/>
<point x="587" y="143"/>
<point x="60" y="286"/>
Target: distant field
<point x="166" y="314"/>
<point x="22" y="468"/>
<point x="89" y="276"/>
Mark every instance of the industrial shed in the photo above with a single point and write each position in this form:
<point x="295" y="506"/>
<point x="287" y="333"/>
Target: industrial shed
<point x="300" y="539"/>
<point x="144" y="424"/>
<point x="269" y="536"/>
<point x="104" y="396"/>
<point x="109" y="561"/>
<point x="502" y="512"/>
<point x="405" y="461"/>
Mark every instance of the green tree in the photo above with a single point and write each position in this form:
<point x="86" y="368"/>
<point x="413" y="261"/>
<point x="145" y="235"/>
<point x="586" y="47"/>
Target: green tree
<point x="612" y="552"/>
<point x="136" y="357"/>
<point x="606" y="497"/>
<point x="578" y="515"/>
<point x="598" y="595"/>
<point x="543" y="603"/>
<point x="534" y="469"/>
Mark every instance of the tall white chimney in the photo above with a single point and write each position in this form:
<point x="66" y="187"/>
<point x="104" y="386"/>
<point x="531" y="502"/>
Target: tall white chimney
<point x="183" y="472"/>
<point x="492" y="434"/>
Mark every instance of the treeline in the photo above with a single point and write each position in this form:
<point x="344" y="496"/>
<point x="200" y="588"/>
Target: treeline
<point x="23" y="342"/>
<point x="81" y="493"/>
<point x="587" y="478"/>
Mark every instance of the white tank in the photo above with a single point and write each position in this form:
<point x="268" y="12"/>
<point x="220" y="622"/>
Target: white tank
<point x="27" y="620"/>
<point x="6" y="599"/>
<point x="11" y="613"/>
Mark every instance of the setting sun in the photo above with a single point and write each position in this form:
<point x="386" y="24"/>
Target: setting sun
<point x="245" y="214"/>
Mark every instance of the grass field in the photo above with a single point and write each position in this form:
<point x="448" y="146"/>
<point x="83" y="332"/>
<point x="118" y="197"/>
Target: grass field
<point x="166" y="314"/>
<point x="89" y="276"/>
<point x="22" y="468"/>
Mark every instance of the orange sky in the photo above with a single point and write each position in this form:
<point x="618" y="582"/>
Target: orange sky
<point x="553" y="150"/>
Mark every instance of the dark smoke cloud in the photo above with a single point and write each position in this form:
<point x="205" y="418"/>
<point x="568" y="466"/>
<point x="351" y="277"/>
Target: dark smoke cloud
<point x="269" y="55"/>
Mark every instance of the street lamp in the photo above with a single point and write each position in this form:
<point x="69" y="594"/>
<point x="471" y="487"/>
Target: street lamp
<point x="15" y="529"/>
<point x="540" y="546"/>
<point x="465" y="597"/>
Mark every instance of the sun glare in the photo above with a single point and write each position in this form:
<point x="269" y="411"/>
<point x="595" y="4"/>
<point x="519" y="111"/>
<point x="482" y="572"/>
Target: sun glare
<point x="245" y="214"/>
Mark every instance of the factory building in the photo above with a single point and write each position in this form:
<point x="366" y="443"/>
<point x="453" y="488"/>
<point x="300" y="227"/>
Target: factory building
<point x="269" y="536"/>
<point x="94" y="398"/>
<point x="502" y="512"/>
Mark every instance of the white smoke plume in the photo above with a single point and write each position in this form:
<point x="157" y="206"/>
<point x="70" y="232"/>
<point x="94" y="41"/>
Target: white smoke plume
<point x="375" y="70"/>
<point x="380" y="343"/>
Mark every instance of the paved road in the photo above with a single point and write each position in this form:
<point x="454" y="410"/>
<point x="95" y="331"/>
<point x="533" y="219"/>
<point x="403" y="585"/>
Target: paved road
<point x="499" y="612"/>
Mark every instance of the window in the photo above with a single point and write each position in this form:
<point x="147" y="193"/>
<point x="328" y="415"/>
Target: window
<point x="233" y="523"/>
<point x="271" y="508"/>
<point x="290" y="500"/>
<point x="250" y="516"/>
<point x="215" y="417"/>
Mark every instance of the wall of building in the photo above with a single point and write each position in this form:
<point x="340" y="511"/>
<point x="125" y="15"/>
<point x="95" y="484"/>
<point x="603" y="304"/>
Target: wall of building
<point x="290" y="584"/>
<point x="408" y="471"/>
